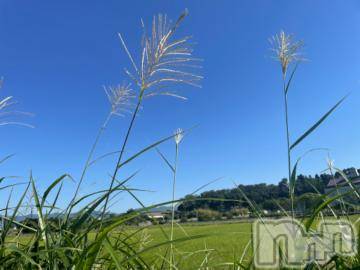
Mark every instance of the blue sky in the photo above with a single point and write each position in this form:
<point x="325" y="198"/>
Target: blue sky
<point x="56" y="56"/>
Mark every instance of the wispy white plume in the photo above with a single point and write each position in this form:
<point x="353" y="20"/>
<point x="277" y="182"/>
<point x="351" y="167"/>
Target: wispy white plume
<point x="165" y="60"/>
<point x="286" y="49"/>
<point x="120" y="98"/>
<point x="179" y="135"/>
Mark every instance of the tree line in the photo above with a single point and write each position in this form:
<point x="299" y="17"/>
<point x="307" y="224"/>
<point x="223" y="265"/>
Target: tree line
<point x="265" y="196"/>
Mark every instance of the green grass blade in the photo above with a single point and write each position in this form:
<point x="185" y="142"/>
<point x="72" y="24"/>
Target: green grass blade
<point x="151" y="146"/>
<point x="291" y="77"/>
<point x="55" y="199"/>
<point x="41" y="220"/>
<point x="6" y="158"/>
<point x="112" y="253"/>
<point x="292" y="181"/>
<point x="8" y="203"/>
<point x="205" y="185"/>
<point x="53" y="185"/>
<point x="349" y="182"/>
<point x="8" y="224"/>
<point x="11" y="185"/>
<point x="321" y="206"/>
<point x="318" y="123"/>
<point x="86" y="213"/>
<point x="165" y="160"/>
<point x="25" y="255"/>
<point x="145" y="150"/>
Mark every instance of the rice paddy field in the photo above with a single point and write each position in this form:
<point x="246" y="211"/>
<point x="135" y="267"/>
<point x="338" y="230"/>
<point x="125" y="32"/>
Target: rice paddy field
<point x="219" y="244"/>
<point x="224" y="242"/>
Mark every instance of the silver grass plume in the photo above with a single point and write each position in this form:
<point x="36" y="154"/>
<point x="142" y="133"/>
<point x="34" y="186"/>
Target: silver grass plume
<point x="286" y="49"/>
<point x="179" y="135"/>
<point x="119" y="97"/>
<point x="6" y="113"/>
<point x="166" y="61"/>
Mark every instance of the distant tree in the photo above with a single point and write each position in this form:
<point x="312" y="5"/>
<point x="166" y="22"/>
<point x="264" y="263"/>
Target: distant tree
<point x="183" y="218"/>
<point x="306" y="202"/>
<point x="283" y="188"/>
<point x="208" y="215"/>
<point x="228" y="215"/>
<point x="240" y="211"/>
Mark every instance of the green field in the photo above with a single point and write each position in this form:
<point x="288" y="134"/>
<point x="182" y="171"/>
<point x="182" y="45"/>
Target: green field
<point x="219" y="243"/>
<point x="225" y="241"/>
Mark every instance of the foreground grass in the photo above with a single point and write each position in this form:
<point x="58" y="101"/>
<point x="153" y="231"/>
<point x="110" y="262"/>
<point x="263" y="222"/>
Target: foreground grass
<point x="225" y="243"/>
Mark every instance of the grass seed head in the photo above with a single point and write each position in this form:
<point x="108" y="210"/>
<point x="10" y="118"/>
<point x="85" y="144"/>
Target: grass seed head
<point x="120" y="98"/>
<point x="179" y="135"/>
<point x="7" y="113"/>
<point x="166" y="61"/>
<point x="286" y="49"/>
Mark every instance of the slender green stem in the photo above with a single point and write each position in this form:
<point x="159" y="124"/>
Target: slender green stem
<point x="118" y="163"/>
<point x="173" y="205"/>
<point x="88" y="160"/>
<point x="288" y="143"/>
<point x="91" y="153"/>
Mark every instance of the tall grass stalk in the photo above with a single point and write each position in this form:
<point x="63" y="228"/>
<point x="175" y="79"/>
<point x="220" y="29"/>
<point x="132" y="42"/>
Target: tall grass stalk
<point x="178" y="138"/>
<point x="287" y="51"/>
<point x="66" y="241"/>
<point x="163" y="59"/>
<point x="288" y="140"/>
<point x="114" y="175"/>
<point x="120" y="100"/>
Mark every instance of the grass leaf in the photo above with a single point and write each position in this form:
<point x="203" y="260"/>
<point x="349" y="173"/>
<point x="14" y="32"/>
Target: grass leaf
<point x="318" y="123"/>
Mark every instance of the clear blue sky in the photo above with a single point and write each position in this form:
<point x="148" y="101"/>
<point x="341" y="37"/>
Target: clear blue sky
<point x="56" y="55"/>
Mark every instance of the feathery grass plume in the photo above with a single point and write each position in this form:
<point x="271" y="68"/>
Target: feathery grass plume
<point x="164" y="63"/>
<point x="165" y="60"/>
<point x="179" y="135"/>
<point x="286" y="49"/>
<point x="6" y="113"/>
<point x="120" y="97"/>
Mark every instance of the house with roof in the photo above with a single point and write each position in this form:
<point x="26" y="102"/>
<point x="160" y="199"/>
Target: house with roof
<point x="343" y="185"/>
<point x="159" y="213"/>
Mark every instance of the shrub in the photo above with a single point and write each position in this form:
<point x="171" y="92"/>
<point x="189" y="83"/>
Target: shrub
<point x="207" y="215"/>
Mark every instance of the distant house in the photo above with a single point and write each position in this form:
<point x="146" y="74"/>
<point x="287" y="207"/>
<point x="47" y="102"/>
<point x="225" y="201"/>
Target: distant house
<point x="159" y="213"/>
<point x="341" y="184"/>
<point x="156" y="215"/>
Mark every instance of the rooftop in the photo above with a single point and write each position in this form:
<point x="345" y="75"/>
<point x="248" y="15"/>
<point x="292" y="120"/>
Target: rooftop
<point x="351" y="174"/>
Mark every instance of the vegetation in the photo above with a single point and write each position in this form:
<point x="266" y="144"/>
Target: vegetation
<point x="265" y="196"/>
<point x="84" y="235"/>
